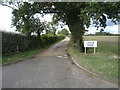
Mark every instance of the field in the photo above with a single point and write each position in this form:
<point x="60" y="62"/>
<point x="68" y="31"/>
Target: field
<point x="105" y="62"/>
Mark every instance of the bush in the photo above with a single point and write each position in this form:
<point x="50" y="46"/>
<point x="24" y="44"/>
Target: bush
<point x="48" y="39"/>
<point x="12" y="43"/>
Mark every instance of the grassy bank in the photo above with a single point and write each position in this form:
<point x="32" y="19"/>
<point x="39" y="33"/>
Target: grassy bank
<point x="17" y="56"/>
<point x="105" y="62"/>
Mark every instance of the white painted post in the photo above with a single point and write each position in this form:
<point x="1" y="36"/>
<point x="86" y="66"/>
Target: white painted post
<point x="85" y="50"/>
<point x="94" y="50"/>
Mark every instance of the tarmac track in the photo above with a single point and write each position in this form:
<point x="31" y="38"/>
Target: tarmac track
<point x="50" y="69"/>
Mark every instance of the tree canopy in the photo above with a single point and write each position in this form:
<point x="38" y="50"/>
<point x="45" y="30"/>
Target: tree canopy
<point x="79" y="15"/>
<point x="63" y="32"/>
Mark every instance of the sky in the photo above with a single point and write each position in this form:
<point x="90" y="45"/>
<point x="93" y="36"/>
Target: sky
<point x="6" y="16"/>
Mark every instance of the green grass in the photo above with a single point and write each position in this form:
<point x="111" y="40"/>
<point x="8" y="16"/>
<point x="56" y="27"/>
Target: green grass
<point x="105" y="62"/>
<point x="17" y="56"/>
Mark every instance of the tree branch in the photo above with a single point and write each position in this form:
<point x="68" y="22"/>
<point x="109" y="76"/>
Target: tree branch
<point x="7" y="6"/>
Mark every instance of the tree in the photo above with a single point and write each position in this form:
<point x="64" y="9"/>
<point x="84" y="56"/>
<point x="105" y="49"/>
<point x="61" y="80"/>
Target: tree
<point x="63" y="32"/>
<point x="78" y="15"/>
<point x="11" y="4"/>
<point x="38" y="26"/>
<point x="103" y="33"/>
<point x="24" y="20"/>
<point x="52" y="28"/>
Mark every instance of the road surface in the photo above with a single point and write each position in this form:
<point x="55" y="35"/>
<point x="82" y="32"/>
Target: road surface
<point x="50" y="69"/>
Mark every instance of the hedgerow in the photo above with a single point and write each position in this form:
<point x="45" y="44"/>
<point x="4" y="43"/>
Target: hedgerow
<point x="12" y="43"/>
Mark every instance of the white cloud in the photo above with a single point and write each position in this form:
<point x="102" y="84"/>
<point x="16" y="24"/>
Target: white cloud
<point x="112" y="29"/>
<point x="47" y="17"/>
<point x="92" y="30"/>
<point x="5" y="18"/>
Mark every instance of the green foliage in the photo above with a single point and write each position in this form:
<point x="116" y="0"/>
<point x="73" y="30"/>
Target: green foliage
<point x="84" y="11"/>
<point x="49" y="39"/>
<point x="103" y="33"/>
<point x="51" y="28"/>
<point x="12" y="43"/>
<point x="73" y="12"/>
<point x="17" y="56"/>
<point x="76" y="15"/>
<point x="38" y="26"/>
<point x="63" y="32"/>
<point x="24" y="20"/>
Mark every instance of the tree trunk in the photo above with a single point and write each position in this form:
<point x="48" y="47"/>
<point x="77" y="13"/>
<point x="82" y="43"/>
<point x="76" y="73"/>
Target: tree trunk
<point x="39" y="38"/>
<point x="77" y="31"/>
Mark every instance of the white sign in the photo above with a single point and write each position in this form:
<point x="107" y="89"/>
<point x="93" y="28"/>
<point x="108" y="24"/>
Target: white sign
<point x="90" y="43"/>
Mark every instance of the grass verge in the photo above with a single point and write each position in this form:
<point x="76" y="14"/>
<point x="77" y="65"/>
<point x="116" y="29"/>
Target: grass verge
<point x="17" y="56"/>
<point x="105" y="62"/>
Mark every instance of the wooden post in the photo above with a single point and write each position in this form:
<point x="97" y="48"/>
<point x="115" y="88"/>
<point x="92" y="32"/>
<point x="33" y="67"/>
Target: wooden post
<point x="17" y="48"/>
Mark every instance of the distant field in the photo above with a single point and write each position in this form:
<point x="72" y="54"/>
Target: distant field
<point x="105" y="62"/>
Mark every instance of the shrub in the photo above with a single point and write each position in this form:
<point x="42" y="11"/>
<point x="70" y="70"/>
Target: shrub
<point x="49" y="39"/>
<point x="12" y="43"/>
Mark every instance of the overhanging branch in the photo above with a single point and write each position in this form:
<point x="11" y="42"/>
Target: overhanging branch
<point x="7" y="6"/>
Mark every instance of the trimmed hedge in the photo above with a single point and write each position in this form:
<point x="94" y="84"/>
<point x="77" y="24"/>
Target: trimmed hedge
<point x="12" y="43"/>
<point x="48" y="39"/>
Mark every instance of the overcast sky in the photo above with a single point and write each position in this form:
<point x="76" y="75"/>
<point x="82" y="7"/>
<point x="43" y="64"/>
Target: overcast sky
<point x="6" y="16"/>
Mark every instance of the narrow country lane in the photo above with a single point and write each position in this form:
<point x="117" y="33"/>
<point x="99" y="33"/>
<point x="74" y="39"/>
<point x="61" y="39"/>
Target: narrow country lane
<point x="50" y="69"/>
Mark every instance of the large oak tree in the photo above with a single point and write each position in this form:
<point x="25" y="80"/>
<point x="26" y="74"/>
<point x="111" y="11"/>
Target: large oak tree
<point x="79" y="15"/>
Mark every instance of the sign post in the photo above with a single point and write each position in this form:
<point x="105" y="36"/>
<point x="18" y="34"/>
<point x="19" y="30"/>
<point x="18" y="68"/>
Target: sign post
<point x="94" y="50"/>
<point x="85" y="50"/>
<point x="90" y="44"/>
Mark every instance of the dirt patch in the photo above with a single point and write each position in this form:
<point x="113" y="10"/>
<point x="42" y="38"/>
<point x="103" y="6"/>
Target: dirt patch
<point x="115" y="57"/>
